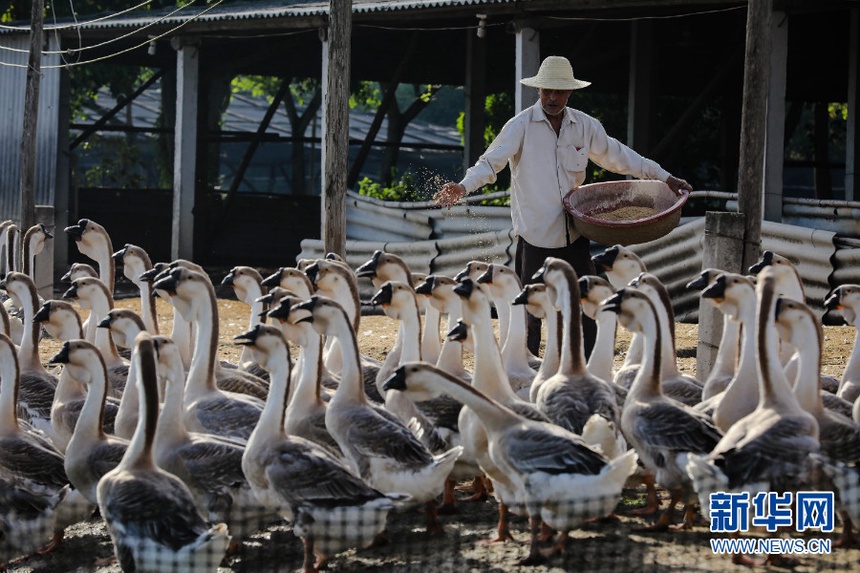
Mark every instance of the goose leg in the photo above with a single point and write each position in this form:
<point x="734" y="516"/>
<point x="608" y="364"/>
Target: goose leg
<point x="504" y="532"/>
<point x="560" y="545"/>
<point x="668" y="516"/>
<point x="534" y="557"/>
<point x="652" y="501"/>
<point x="480" y="490"/>
<point x="308" y="565"/>
<point x="434" y="526"/>
<point x="53" y="544"/>
<point x="847" y="539"/>
<point x="689" y="518"/>
<point x="448" y="506"/>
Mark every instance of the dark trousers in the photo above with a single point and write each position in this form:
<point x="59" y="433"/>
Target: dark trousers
<point x="529" y="259"/>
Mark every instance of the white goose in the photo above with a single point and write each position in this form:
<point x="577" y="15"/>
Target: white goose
<point x="505" y="285"/>
<point x="621" y="265"/>
<point x="181" y="330"/>
<point x="676" y="384"/>
<point x="556" y="475"/>
<point x="789" y="284"/>
<point x="151" y="517"/>
<point x="207" y="408"/>
<point x="378" y="448"/>
<point x="90" y="453"/>
<point x="332" y="508"/>
<point x="95" y="295"/>
<point x="27" y="515"/>
<point x="94" y="242"/>
<point x="37" y="384"/>
<point x="769" y="449"/>
<point x="662" y="430"/>
<point x="439" y="292"/>
<point x="78" y="271"/>
<point x="726" y="360"/>
<point x="29" y="455"/>
<point x="593" y="290"/>
<point x="135" y="262"/>
<point x="490" y="379"/>
<point x="124" y="326"/>
<point x="211" y="466"/>
<point x="572" y="395"/>
<point x="63" y="322"/>
<point x="33" y="244"/>
<point x="12" y="258"/>
<point x="246" y="284"/>
<point x="535" y="298"/>
<point x="291" y="279"/>
<point x="305" y="416"/>
<point x="846" y="299"/>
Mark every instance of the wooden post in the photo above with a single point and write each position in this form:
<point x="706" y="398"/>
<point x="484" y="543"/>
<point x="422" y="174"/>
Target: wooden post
<point x="774" y="138"/>
<point x="476" y="95"/>
<point x="31" y="118"/>
<point x="640" y="90"/>
<point x="185" y="151"/>
<point x="723" y="250"/>
<point x="527" y="56"/>
<point x="753" y="125"/>
<point x="335" y="147"/>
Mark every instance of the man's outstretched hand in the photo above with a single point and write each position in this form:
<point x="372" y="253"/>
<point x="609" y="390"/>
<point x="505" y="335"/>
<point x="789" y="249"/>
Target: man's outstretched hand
<point x="449" y="194"/>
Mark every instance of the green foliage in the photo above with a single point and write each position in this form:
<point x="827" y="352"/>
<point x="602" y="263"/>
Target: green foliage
<point x="119" y="165"/>
<point x="366" y="97"/>
<point x="404" y="189"/>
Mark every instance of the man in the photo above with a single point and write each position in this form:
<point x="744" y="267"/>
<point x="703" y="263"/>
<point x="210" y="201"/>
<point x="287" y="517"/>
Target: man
<point x="548" y="147"/>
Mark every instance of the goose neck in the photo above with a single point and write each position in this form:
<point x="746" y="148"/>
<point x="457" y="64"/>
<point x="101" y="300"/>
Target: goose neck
<point x="572" y="350"/>
<point x="807" y="386"/>
<point x="490" y="376"/>
<point x="8" y="392"/>
<point x="647" y="382"/>
<point x="602" y="355"/>
<point x="410" y="325"/>
<point x="495" y="417"/>
<point x="351" y="381"/>
<point x="201" y="374"/>
<point x="147" y="308"/>
<point x="307" y="389"/>
<point x="515" y="351"/>
<point x="171" y="425"/>
<point x="273" y="416"/>
<point x="91" y="420"/>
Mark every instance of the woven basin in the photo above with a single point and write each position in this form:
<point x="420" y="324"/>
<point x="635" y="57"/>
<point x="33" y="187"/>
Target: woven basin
<point x="625" y="212"/>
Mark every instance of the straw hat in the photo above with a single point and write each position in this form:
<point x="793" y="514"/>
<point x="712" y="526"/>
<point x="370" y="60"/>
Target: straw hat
<point x="555" y="73"/>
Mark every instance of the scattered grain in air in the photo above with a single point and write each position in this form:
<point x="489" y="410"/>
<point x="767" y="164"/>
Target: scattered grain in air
<point x="627" y="213"/>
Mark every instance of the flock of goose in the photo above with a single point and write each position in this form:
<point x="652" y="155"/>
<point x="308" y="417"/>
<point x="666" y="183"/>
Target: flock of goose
<point x="184" y="455"/>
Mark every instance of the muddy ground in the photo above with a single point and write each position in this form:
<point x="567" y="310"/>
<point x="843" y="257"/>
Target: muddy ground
<point x="611" y="546"/>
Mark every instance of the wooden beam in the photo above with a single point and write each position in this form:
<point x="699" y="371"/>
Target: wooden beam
<point x="754" y="125"/>
<point x="640" y="94"/>
<point x="335" y="147"/>
<point x="774" y="139"/>
<point x="27" y="213"/>
<point x="185" y="152"/>
<point x="821" y="136"/>
<point x="376" y="124"/>
<point x="102" y="121"/>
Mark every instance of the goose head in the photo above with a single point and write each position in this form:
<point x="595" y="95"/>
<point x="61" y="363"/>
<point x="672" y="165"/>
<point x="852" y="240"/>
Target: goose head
<point x="788" y="313"/>
<point x="292" y="279"/>
<point x="78" y="271"/>
<point x="19" y="287"/>
<point x="323" y="313"/>
<point x="329" y="276"/>
<point x="503" y="281"/>
<point x="246" y="283"/>
<point x="274" y="297"/>
<point x="395" y="298"/>
<point x="36" y="237"/>
<point x="473" y="270"/>
<point x="90" y="293"/>
<point x="732" y="293"/>
<point x="440" y="292"/>
<point x="60" y="319"/>
<point x="561" y="281"/>
<point x="135" y="261"/>
<point x="460" y="332"/>
<point x="292" y="320"/>
<point x="267" y="342"/>
<point x="81" y="358"/>
<point x="845" y="299"/>
<point x="592" y="291"/>
<point x="633" y="307"/>
<point x="383" y="267"/>
<point x="168" y="358"/>
<point x="620" y="264"/>
<point x="124" y="325"/>
<point x="786" y="277"/>
<point x="187" y="289"/>
<point x="536" y="300"/>
<point x="705" y="278"/>
<point x="417" y="379"/>
<point x="475" y="301"/>
<point x="91" y="238"/>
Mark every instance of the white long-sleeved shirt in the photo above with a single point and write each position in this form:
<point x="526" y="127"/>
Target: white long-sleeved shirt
<point x="545" y="166"/>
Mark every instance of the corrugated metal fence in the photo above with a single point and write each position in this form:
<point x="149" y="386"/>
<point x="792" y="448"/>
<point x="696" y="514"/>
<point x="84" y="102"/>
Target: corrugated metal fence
<point x="442" y="241"/>
<point x="12" y="87"/>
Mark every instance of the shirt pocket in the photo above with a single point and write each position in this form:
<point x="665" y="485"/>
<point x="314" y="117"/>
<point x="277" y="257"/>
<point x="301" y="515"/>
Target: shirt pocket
<point x="575" y="159"/>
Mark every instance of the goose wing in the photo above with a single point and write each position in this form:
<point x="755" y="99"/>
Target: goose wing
<point x="668" y="427"/>
<point x="213" y="462"/>
<point x="372" y="435"/>
<point x="227" y="416"/>
<point x="777" y="453"/>
<point x="33" y="460"/>
<point x="546" y="450"/>
<point x="150" y="505"/>
<point x="305" y="473"/>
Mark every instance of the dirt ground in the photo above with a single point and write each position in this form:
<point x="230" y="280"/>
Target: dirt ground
<point x="612" y="546"/>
